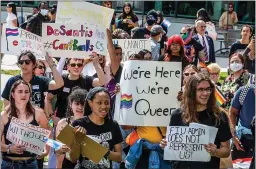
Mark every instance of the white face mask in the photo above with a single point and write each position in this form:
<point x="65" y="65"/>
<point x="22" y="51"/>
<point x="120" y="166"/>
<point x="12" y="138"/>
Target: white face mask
<point x="236" y="67"/>
<point x="44" y="12"/>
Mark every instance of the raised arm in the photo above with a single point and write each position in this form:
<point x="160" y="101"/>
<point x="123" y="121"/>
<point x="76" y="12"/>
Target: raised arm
<point x="58" y="81"/>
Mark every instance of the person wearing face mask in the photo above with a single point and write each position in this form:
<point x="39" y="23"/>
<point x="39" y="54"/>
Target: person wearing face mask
<point x="144" y="32"/>
<point x="34" y="24"/>
<point x="238" y="78"/>
<point x="156" y="34"/>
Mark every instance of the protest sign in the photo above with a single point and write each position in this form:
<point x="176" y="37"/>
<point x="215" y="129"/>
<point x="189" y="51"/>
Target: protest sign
<point x="32" y="137"/>
<point x="132" y="46"/>
<point x="74" y="40"/>
<point x="88" y="145"/>
<point x="14" y="41"/>
<point x="212" y="130"/>
<point x="83" y="13"/>
<point x="148" y="93"/>
<point x="186" y="144"/>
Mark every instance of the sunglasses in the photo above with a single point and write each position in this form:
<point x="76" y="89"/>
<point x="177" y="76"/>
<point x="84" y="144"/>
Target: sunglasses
<point x="189" y="74"/>
<point x="183" y="33"/>
<point x="27" y="62"/>
<point x="203" y="26"/>
<point x="40" y="67"/>
<point x="78" y="65"/>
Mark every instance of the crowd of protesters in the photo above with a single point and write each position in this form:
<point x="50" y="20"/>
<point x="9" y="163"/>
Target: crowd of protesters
<point x="69" y="96"/>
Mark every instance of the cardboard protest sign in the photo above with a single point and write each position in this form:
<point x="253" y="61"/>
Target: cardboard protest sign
<point x="88" y="145"/>
<point x="82" y="13"/>
<point x="74" y="40"/>
<point x="14" y="41"/>
<point x="148" y="93"/>
<point x="186" y="144"/>
<point x="132" y="46"/>
<point x="32" y="137"/>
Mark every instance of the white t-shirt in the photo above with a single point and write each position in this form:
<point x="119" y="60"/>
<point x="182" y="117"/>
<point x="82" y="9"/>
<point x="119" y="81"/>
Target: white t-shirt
<point x="10" y="18"/>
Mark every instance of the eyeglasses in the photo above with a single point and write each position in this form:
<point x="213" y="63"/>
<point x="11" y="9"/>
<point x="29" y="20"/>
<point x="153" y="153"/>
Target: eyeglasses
<point x="189" y="74"/>
<point x="203" y="26"/>
<point x="40" y="67"/>
<point x="207" y="90"/>
<point x="78" y="65"/>
<point x="27" y="62"/>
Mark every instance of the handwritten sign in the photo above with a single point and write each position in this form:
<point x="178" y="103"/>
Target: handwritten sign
<point x="74" y="40"/>
<point x="32" y="137"/>
<point x="83" y="12"/>
<point x="186" y="144"/>
<point x="132" y="46"/>
<point x="14" y="41"/>
<point x="148" y="93"/>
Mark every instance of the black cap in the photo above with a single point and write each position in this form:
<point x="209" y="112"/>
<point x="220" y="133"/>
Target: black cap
<point x="153" y="13"/>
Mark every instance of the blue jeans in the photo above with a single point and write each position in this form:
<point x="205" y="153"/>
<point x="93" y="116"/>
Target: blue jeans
<point x="19" y="165"/>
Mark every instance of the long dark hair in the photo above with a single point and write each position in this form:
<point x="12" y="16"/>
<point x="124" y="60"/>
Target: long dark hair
<point x="14" y="10"/>
<point x="202" y="14"/>
<point x="77" y="95"/>
<point x="131" y="13"/>
<point x="91" y="96"/>
<point x="188" y="103"/>
<point x="12" y="109"/>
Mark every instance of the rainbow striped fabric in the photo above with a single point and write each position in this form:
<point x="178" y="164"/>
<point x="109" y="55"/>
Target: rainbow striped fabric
<point x="126" y="101"/>
<point x="220" y="98"/>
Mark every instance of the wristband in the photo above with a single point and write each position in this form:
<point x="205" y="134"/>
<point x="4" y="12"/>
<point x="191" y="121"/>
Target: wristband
<point x="107" y="154"/>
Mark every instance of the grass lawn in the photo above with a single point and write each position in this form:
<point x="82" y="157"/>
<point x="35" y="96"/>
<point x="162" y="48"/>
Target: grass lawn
<point x="10" y="72"/>
<point x="223" y="76"/>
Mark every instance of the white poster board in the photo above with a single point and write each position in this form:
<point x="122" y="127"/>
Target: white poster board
<point x="83" y="13"/>
<point x="74" y="40"/>
<point x="186" y="144"/>
<point x="14" y="41"/>
<point x="32" y="137"/>
<point x="132" y="46"/>
<point x="148" y="93"/>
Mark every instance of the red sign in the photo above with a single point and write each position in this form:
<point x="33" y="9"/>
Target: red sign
<point x="15" y="43"/>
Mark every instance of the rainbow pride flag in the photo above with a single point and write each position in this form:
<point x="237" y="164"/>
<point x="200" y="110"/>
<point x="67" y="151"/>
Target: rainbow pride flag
<point x="126" y="101"/>
<point x="220" y="98"/>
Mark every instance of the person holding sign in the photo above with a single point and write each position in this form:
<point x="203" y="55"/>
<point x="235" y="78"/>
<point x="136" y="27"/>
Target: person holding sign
<point x="127" y="20"/>
<point x="199" y="106"/>
<point x="100" y="128"/>
<point x="15" y="155"/>
<point x="39" y="84"/>
<point x="75" y="110"/>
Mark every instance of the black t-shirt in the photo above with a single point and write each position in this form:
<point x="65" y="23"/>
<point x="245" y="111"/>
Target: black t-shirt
<point x="237" y="47"/>
<point x="176" y="59"/>
<point x="207" y="118"/>
<point x="39" y="85"/>
<point x="141" y="33"/>
<point x="84" y="82"/>
<point x="125" y="26"/>
<point x="108" y="135"/>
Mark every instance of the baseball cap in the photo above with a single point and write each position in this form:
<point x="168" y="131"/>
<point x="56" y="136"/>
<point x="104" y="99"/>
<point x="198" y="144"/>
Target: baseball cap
<point x="156" y="30"/>
<point x="153" y="13"/>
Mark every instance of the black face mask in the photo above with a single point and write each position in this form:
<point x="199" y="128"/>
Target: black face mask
<point x="150" y="22"/>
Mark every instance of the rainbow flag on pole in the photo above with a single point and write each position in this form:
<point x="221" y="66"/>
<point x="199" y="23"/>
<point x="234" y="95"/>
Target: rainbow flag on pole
<point x="220" y="98"/>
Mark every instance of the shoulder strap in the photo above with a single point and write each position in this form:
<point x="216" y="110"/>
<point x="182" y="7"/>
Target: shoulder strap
<point x="243" y="94"/>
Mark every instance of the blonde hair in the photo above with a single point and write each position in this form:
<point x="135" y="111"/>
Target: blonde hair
<point x="214" y="67"/>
